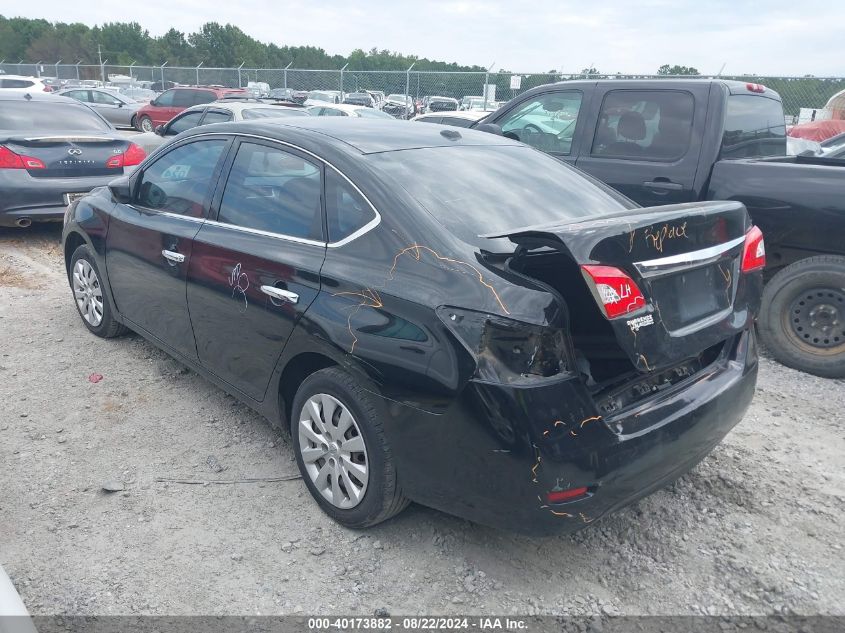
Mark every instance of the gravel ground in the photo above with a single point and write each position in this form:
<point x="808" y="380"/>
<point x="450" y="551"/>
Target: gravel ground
<point x="757" y="528"/>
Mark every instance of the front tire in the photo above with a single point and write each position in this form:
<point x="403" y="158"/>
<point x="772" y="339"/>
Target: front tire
<point x="90" y="297"/>
<point x="342" y="452"/>
<point x="145" y="124"/>
<point x="803" y="318"/>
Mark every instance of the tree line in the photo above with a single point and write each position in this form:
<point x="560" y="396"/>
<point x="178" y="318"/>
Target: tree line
<point x="215" y="45"/>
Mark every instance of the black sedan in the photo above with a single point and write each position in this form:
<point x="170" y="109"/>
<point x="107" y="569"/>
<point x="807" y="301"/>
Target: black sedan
<point x="52" y="150"/>
<point x="438" y="315"/>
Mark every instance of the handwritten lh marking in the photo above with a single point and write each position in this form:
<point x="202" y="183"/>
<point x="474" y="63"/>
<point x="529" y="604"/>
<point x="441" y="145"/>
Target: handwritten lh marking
<point x="239" y="283"/>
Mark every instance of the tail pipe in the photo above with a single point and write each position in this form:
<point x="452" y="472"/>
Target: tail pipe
<point x="23" y="222"/>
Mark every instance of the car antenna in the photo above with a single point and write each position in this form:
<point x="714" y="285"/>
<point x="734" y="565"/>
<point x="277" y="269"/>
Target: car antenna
<point x="452" y="135"/>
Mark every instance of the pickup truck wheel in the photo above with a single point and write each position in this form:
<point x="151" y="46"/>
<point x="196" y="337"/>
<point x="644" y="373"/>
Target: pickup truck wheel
<point x="803" y="317"/>
<point x="342" y="452"/>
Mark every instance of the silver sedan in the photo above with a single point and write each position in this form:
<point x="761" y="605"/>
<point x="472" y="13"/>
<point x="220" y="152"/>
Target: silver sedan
<point x="117" y="109"/>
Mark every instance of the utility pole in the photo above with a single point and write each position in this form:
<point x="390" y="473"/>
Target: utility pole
<point x="102" y="68"/>
<point x="408" y="81"/>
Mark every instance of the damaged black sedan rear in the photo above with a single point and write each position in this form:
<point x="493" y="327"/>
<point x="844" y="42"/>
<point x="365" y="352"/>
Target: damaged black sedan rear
<point x="444" y="317"/>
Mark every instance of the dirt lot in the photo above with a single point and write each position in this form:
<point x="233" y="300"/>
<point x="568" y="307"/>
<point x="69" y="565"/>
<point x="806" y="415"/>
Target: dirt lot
<point x="757" y="528"/>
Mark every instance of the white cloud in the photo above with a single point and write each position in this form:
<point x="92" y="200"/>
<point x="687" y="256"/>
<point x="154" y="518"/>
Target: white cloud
<point x="775" y="37"/>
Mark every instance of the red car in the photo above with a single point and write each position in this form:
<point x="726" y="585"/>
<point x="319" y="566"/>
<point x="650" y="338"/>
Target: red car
<point x="171" y="102"/>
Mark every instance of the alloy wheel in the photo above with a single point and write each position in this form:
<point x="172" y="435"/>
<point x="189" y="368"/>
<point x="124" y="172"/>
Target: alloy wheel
<point x="87" y="292"/>
<point x="333" y="451"/>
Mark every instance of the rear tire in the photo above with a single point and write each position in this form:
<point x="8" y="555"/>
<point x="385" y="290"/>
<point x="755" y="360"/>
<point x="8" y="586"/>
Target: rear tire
<point x="382" y="497"/>
<point x="803" y="317"/>
<point x="91" y="299"/>
<point x="145" y="124"/>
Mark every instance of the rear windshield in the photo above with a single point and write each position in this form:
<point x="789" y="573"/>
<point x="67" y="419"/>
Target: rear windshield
<point x="48" y="117"/>
<point x="754" y="126"/>
<point x="476" y="190"/>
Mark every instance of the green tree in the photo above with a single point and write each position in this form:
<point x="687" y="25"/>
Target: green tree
<point x="666" y="69"/>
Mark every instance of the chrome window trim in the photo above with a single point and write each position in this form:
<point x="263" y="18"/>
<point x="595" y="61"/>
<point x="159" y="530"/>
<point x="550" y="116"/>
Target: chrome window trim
<point x="281" y="236"/>
<point x="325" y="244"/>
<point x="702" y="256"/>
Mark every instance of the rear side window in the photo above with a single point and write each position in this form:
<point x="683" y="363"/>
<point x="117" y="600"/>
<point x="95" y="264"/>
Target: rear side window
<point x="202" y="96"/>
<point x="429" y="119"/>
<point x="43" y="116"/>
<point x="754" y="126"/>
<point x="80" y="95"/>
<point x="270" y="189"/>
<point x="346" y="209"/>
<point x="181" y="180"/>
<point x="212" y="116"/>
<point x="644" y="125"/>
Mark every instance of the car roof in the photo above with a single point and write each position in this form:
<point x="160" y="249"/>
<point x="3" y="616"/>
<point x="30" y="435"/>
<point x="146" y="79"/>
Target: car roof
<point x="367" y="136"/>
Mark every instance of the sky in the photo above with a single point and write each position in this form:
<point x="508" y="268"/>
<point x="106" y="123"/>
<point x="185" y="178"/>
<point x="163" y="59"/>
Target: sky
<point x="767" y="37"/>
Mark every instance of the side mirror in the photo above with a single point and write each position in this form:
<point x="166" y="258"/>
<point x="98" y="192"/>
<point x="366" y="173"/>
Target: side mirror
<point x="119" y="104"/>
<point x="490" y="128"/>
<point x="160" y="130"/>
<point x="153" y="102"/>
<point x="121" y="190"/>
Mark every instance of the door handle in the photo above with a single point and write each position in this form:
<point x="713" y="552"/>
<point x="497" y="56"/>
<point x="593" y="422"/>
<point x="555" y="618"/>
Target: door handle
<point x="280" y="294"/>
<point x="664" y="185"/>
<point x="176" y="258"/>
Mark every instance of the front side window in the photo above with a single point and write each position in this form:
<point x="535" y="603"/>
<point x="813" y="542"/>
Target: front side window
<point x="644" y="125"/>
<point x="165" y="100"/>
<point x="103" y="98"/>
<point x="184" y="122"/>
<point x="346" y="209"/>
<point x="546" y="122"/>
<point x="181" y="180"/>
<point x="273" y="190"/>
<point x="79" y="95"/>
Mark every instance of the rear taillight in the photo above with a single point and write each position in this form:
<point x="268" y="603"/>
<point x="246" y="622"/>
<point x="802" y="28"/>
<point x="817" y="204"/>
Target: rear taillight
<point x="615" y="291"/>
<point x="10" y="160"/>
<point x="562" y="496"/>
<point x="754" y="252"/>
<point x="755" y="87"/>
<point x="133" y="155"/>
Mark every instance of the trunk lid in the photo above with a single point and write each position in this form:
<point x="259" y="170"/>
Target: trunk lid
<point x="685" y="259"/>
<point x="68" y="155"/>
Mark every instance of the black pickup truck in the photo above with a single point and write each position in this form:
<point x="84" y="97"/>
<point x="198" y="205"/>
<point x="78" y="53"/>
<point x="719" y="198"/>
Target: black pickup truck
<point x="670" y="141"/>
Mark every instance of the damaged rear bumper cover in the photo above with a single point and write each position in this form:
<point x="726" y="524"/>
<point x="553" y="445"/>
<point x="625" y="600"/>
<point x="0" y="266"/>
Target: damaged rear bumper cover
<point x="496" y="455"/>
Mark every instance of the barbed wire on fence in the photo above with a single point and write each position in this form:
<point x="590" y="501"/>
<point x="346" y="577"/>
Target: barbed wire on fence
<point x="796" y="92"/>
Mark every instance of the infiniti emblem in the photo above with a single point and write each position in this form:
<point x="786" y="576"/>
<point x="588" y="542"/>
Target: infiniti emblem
<point x="74" y="151"/>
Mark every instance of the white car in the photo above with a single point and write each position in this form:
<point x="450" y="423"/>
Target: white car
<point x="215" y="112"/>
<point x="316" y="97"/>
<point x="463" y="118"/>
<point x="14" y="617"/>
<point x="343" y="109"/>
<point x="23" y="83"/>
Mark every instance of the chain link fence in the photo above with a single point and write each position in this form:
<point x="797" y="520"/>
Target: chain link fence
<point x="796" y="92"/>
